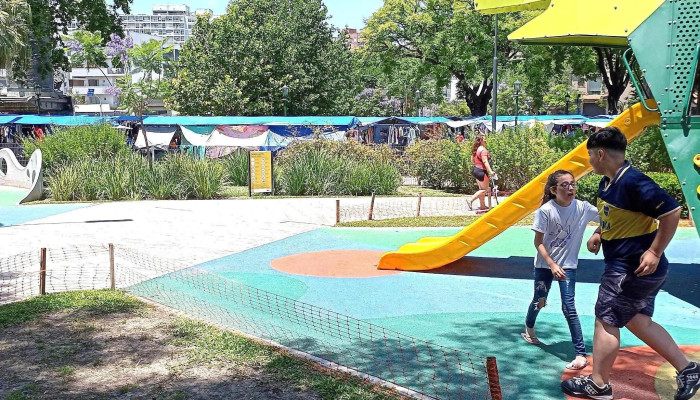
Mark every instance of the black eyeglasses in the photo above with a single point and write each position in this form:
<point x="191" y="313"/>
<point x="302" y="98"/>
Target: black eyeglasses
<point x="567" y="185"/>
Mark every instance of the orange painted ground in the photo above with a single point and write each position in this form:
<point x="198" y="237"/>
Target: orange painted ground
<point x="333" y="264"/>
<point x="636" y="374"/>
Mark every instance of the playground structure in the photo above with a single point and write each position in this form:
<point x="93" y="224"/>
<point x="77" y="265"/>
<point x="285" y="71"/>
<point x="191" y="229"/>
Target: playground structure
<point x="664" y="37"/>
<point x="31" y="177"/>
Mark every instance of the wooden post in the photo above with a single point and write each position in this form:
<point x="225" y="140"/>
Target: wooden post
<point x="42" y="272"/>
<point x="111" y="266"/>
<point x="420" y="197"/>
<point x="494" y="380"/>
<point x="371" y="207"/>
<point x="337" y="211"/>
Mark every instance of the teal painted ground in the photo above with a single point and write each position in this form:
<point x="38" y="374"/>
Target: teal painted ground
<point x="475" y="305"/>
<point x="13" y="214"/>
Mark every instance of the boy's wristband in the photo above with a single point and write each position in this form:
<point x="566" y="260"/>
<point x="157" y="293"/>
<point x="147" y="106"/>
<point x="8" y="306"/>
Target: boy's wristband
<point x="652" y="252"/>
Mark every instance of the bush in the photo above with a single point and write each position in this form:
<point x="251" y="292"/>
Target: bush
<point x="442" y="163"/>
<point x="128" y="177"/>
<point x="236" y="165"/>
<point x="519" y="156"/>
<point x="587" y="188"/>
<point x="322" y="167"/>
<point x="203" y="179"/>
<point x="648" y="152"/>
<point x="68" y="145"/>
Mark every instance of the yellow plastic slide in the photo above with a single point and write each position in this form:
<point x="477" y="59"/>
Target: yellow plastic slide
<point x="435" y="252"/>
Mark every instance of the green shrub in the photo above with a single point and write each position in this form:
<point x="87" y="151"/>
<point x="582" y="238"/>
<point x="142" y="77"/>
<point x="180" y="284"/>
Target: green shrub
<point x="587" y="188"/>
<point x="519" y="156"/>
<point x="236" y="165"/>
<point x="648" y="152"/>
<point x="203" y="179"/>
<point x="321" y="167"/>
<point x="442" y="163"/>
<point x="63" y="184"/>
<point x="67" y="145"/>
<point x="566" y="143"/>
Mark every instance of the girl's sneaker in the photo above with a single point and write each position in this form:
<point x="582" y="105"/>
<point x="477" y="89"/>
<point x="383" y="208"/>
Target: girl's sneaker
<point x="688" y="382"/>
<point x="584" y="387"/>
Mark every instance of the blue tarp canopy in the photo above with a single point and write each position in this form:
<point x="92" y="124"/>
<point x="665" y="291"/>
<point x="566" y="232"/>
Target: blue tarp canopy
<point x="8" y="119"/>
<point x="122" y="118"/>
<point x="68" y="120"/>
<point x="368" y="121"/>
<point x="344" y="122"/>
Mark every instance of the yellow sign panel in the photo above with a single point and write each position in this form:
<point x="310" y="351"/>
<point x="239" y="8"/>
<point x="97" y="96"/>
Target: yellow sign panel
<point x="261" y="171"/>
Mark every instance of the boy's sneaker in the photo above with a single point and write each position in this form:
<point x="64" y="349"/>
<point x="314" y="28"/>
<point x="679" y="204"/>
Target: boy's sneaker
<point x="688" y="382"/>
<point x="584" y="387"/>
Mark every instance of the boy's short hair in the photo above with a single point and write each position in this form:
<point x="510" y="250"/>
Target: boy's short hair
<point x="609" y="138"/>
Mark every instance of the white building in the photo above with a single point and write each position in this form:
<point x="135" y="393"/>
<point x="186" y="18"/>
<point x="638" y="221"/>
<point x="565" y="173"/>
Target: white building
<point x="81" y="82"/>
<point x="174" y="22"/>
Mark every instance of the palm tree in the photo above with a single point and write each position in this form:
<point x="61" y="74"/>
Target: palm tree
<point x="14" y="33"/>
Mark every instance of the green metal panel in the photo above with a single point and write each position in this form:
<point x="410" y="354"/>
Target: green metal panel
<point x="666" y="46"/>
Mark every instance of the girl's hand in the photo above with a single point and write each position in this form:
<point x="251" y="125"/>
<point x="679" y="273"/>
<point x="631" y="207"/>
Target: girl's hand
<point x="558" y="272"/>
<point x="593" y="243"/>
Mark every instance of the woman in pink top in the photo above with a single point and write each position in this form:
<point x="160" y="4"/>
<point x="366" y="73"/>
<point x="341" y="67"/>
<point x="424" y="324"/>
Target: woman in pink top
<point x="481" y="171"/>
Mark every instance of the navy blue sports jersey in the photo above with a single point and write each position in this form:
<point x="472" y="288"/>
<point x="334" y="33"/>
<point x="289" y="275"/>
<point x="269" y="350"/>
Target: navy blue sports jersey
<point x="629" y="207"/>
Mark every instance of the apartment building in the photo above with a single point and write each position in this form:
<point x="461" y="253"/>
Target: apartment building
<point x="174" y="22"/>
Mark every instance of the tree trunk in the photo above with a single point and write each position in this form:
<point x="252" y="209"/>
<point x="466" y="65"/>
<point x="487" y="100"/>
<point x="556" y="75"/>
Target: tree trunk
<point x="615" y="75"/>
<point x="477" y="97"/>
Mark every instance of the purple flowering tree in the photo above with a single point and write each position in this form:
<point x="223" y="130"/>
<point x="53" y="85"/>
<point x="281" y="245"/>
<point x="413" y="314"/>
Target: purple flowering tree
<point x="376" y="103"/>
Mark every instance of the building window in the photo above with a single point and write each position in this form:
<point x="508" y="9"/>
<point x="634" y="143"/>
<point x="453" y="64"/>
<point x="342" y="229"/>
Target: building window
<point x="93" y="82"/>
<point x="595" y="87"/>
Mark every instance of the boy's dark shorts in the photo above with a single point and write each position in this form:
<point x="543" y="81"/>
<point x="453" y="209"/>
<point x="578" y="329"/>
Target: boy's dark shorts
<point x="622" y="294"/>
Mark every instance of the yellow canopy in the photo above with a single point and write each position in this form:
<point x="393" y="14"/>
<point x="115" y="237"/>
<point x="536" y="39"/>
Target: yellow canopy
<point x="503" y="6"/>
<point x="577" y="22"/>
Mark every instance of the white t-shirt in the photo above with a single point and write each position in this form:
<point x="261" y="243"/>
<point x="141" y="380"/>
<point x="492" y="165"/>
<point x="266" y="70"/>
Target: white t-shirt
<point x="563" y="229"/>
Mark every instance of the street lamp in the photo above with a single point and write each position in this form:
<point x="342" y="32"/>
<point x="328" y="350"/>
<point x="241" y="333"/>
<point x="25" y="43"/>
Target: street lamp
<point x="417" y="94"/>
<point x="37" y="92"/>
<point x="568" y="100"/>
<point x="285" y="94"/>
<point x="516" y="86"/>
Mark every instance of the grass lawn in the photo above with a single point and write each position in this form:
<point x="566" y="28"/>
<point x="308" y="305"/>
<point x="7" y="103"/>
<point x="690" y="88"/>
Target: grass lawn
<point x="109" y="345"/>
<point x="424" y="222"/>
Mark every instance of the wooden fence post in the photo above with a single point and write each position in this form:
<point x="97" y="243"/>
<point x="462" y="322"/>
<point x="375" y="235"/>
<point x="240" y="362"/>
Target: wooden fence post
<point x="494" y="380"/>
<point x="371" y="207"/>
<point x="111" y="266"/>
<point x="337" y="211"/>
<point x="420" y="197"/>
<point x="42" y="271"/>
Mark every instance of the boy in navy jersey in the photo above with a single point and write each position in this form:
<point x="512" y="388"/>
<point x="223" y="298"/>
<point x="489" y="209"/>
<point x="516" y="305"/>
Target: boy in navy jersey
<point x="637" y="221"/>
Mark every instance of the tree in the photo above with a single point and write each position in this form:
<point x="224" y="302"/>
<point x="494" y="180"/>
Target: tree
<point x="376" y="103"/>
<point x="50" y="19"/>
<point x="450" y="39"/>
<point x="149" y="58"/>
<point x="615" y="75"/>
<point x="237" y="64"/>
<point x="14" y="33"/>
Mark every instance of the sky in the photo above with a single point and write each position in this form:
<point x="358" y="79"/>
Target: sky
<point x="343" y="12"/>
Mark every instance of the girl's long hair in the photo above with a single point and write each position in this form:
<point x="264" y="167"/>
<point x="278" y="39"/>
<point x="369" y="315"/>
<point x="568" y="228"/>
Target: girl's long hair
<point x="478" y="141"/>
<point x="552" y="182"/>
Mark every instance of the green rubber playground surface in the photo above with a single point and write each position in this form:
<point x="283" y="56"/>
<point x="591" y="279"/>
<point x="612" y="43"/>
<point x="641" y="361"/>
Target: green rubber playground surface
<point x="476" y="305"/>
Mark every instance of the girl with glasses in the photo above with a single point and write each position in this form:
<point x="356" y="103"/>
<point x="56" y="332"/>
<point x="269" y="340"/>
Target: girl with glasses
<point x="559" y="225"/>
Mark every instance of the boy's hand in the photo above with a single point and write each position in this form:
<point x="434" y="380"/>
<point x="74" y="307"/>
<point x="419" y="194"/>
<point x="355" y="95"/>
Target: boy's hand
<point x="558" y="272"/>
<point x="593" y="243"/>
<point x="647" y="264"/>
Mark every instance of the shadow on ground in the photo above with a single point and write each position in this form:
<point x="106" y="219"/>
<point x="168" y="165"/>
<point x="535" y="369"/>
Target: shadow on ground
<point x="683" y="280"/>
